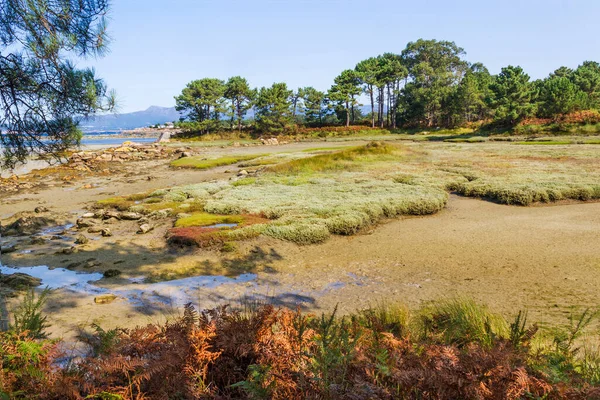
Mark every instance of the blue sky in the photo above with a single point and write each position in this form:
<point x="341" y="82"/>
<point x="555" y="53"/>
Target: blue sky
<point x="158" y="46"/>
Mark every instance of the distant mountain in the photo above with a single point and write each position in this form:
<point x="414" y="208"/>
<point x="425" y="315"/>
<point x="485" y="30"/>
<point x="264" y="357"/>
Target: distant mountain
<point x="139" y="119"/>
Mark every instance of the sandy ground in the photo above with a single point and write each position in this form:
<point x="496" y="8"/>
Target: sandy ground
<point x="544" y="259"/>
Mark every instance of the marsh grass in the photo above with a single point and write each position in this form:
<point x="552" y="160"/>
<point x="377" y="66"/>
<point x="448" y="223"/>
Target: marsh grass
<point x="337" y="161"/>
<point x="306" y="197"/>
<point x="198" y="162"/>
<point x="462" y="321"/>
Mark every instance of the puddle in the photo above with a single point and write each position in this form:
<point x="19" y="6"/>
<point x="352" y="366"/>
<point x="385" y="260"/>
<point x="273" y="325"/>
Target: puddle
<point x="180" y="291"/>
<point x="334" y="286"/>
<point x="176" y="292"/>
<point x="221" y="226"/>
<point x="55" y="230"/>
<point x="56" y="278"/>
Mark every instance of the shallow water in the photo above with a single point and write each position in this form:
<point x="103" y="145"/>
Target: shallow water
<point x="175" y="292"/>
<point x="58" y="277"/>
<point x="221" y="226"/>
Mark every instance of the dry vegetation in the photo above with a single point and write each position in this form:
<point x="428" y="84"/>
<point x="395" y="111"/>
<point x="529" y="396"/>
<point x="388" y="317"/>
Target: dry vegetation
<point x="456" y="349"/>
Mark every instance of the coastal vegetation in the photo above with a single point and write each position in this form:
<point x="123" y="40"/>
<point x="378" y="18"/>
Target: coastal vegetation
<point x="450" y="349"/>
<point x="306" y="196"/>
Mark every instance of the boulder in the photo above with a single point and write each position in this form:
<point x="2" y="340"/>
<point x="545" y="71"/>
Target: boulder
<point x="26" y="225"/>
<point x="131" y="216"/>
<point x="243" y="173"/>
<point x="85" y="223"/>
<point x="20" y="281"/>
<point x="40" y="209"/>
<point x="111" y="214"/>
<point x="106" y="232"/>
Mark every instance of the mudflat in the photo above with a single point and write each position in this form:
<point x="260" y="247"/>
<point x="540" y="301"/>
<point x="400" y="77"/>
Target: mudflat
<point x="543" y="258"/>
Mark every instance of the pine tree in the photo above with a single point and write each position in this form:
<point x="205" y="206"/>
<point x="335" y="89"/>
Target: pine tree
<point x="273" y="108"/>
<point x="43" y="96"/>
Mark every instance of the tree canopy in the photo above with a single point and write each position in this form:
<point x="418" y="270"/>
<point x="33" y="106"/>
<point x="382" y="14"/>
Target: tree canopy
<point x="429" y="84"/>
<point x="43" y="95"/>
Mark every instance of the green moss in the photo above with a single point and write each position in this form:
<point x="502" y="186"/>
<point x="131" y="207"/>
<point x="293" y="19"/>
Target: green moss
<point x="205" y="219"/>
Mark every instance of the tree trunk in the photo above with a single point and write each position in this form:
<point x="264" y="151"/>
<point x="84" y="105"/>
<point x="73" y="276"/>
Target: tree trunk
<point x="347" y="115"/>
<point x="372" y="107"/>
<point x="239" y="114"/>
<point x="232" y="115"/>
<point x="381" y="106"/>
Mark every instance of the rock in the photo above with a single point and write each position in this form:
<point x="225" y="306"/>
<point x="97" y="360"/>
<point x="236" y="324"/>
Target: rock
<point x="111" y="273"/>
<point x="89" y="215"/>
<point x="95" y="229"/>
<point x="40" y="209"/>
<point x="68" y="250"/>
<point x="106" y="232"/>
<point x="270" y="141"/>
<point x="81" y="239"/>
<point x="99" y="214"/>
<point x="19" y="281"/>
<point x="243" y="173"/>
<point x="111" y="221"/>
<point x="91" y="264"/>
<point x="185" y="154"/>
<point x="26" y="225"/>
<point x="85" y="223"/>
<point x="8" y="249"/>
<point x="164" y="137"/>
<point x="37" y="241"/>
<point x="105" y="298"/>
<point x="144" y="228"/>
<point x="131" y="216"/>
<point x="111" y="214"/>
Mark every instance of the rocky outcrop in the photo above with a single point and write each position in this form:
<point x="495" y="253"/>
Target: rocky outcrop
<point x="25" y="225"/>
<point x="19" y="281"/>
<point x="88" y="160"/>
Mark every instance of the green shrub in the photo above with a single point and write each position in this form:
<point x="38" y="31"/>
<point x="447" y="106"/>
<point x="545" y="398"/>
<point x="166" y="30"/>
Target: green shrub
<point x="299" y="233"/>
<point x="29" y="317"/>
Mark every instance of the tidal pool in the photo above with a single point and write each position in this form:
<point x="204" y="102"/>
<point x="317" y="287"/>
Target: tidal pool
<point x="179" y="291"/>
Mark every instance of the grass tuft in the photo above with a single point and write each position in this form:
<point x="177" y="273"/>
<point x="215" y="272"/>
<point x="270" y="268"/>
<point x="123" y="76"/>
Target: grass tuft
<point x="198" y="162"/>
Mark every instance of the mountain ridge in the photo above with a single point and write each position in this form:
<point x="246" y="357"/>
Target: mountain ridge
<point x="138" y="119"/>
